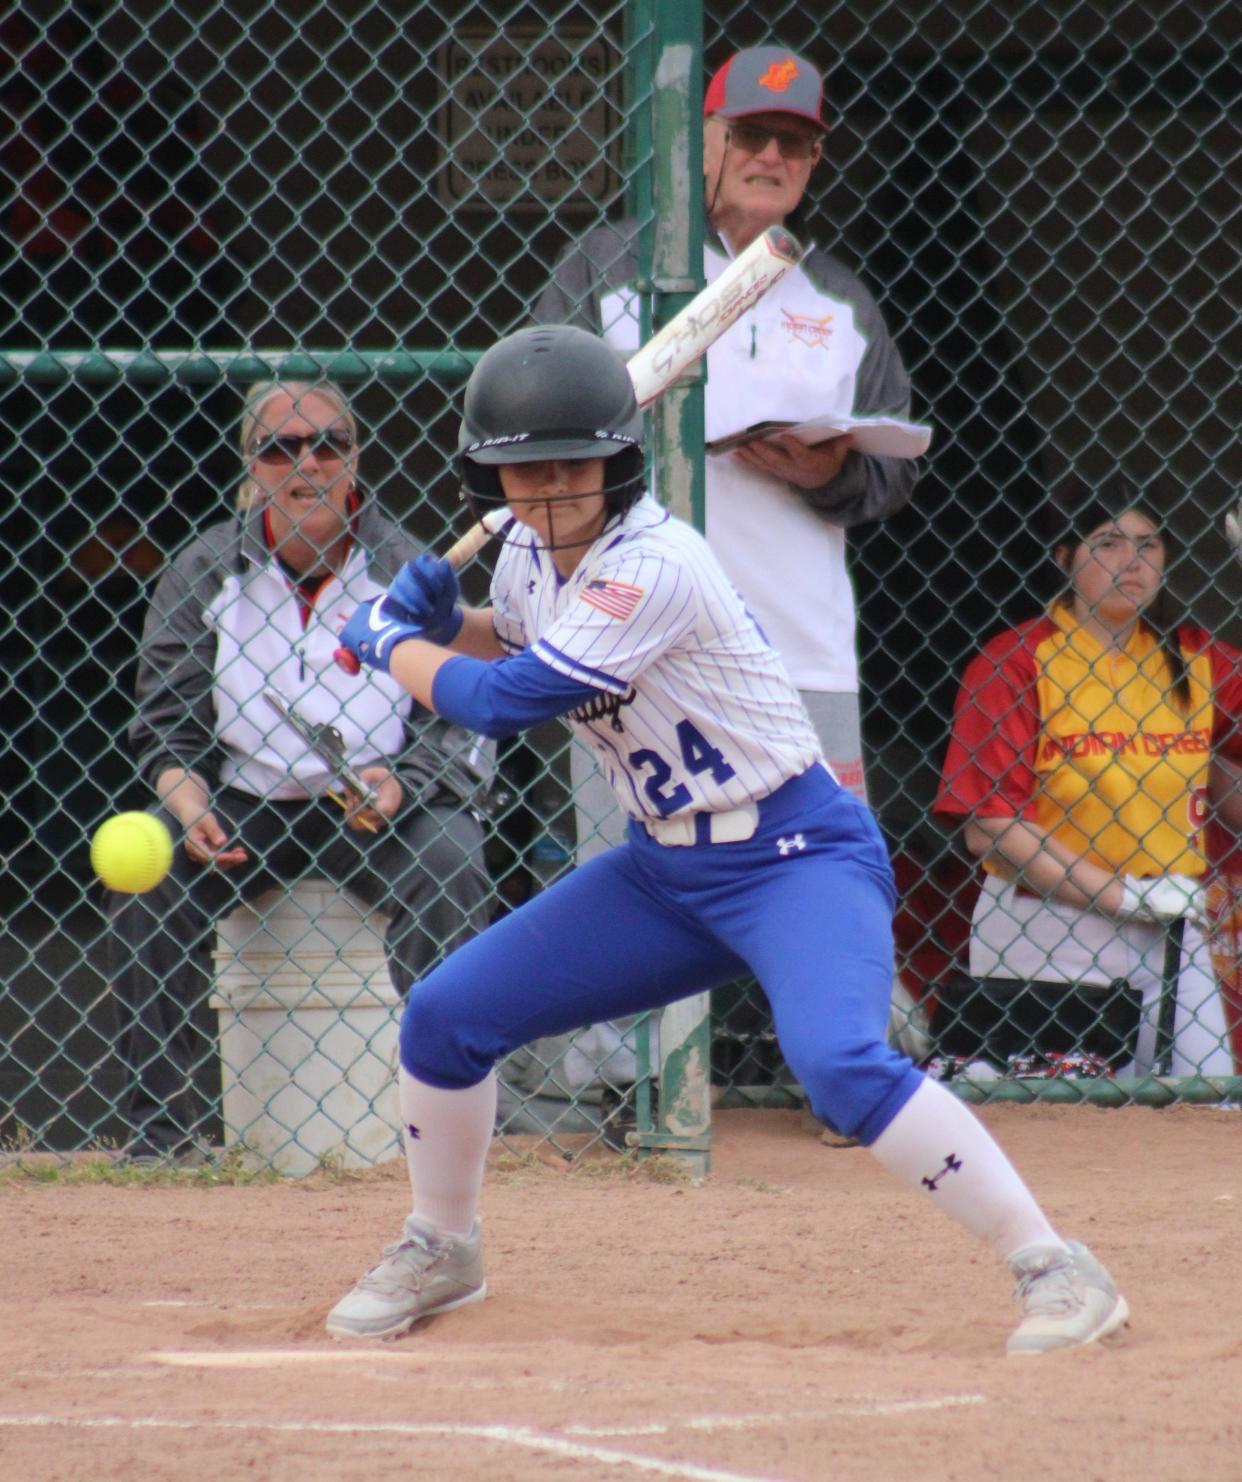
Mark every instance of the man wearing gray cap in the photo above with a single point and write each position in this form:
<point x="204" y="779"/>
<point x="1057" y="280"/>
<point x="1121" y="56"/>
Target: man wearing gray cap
<point x="777" y="510"/>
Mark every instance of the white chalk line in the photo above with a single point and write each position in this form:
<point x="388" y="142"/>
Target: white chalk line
<point x="278" y="1358"/>
<point x="505" y="1435"/>
<point x="381" y="1356"/>
<point x="274" y="1358"/>
<point x="847" y="1405"/>
<point x="271" y="1358"/>
<point x="385" y="1363"/>
<point x="217" y="1306"/>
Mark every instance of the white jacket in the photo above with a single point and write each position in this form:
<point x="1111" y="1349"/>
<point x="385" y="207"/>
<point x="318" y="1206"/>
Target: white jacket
<point x="815" y="343"/>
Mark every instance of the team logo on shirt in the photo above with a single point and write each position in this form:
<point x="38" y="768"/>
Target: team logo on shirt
<point x="1196" y="742"/>
<point x="615" y="598"/>
<point x="811" y="332"/>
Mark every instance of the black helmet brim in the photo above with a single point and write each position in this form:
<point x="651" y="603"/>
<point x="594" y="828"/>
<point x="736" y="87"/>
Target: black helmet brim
<point x="536" y="447"/>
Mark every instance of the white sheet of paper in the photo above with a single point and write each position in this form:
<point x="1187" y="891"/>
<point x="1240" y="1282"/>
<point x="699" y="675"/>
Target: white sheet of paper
<point x="886" y="437"/>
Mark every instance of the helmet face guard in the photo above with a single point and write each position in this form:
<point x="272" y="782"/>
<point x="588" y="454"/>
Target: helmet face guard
<point x="550" y="393"/>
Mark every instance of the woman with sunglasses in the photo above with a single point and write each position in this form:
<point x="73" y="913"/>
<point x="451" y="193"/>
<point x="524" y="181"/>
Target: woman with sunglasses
<point x="252" y="607"/>
<point x="777" y="512"/>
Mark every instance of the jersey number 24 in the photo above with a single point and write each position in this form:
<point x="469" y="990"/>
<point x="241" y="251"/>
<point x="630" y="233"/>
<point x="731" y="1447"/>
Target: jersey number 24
<point x="697" y="755"/>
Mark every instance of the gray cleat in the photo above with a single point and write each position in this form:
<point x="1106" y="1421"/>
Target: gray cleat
<point x="1067" y="1299"/>
<point x="424" y="1272"/>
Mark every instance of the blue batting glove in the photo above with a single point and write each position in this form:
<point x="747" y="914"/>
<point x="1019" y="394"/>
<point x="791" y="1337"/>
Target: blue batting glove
<point x="372" y="633"/>
<point x="425" y="592"/>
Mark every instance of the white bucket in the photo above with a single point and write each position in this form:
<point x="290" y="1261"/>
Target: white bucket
<point x="308" y="1030"/>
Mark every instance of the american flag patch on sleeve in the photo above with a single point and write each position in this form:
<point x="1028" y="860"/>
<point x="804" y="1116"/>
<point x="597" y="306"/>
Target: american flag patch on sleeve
<point x="616" y="598"/>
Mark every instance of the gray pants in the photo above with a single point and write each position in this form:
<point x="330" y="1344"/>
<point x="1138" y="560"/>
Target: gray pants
<point x="837" y="721"/>
<point x="607" y="1050"/>
<point x="425" y="870"/>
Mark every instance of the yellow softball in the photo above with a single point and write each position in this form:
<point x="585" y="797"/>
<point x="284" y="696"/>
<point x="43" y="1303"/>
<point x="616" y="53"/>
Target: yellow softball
<point x="131" y="852"/>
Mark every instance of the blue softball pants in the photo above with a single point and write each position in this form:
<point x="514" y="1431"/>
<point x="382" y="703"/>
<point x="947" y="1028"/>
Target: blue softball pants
<point x="805" y="905"/>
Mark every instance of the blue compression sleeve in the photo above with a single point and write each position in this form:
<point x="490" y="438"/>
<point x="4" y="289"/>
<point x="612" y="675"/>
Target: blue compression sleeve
<point x="500" y="697"/>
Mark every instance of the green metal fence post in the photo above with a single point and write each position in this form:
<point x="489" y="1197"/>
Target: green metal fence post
<point x="639" y="45"/>
<point x="676" y="273"/>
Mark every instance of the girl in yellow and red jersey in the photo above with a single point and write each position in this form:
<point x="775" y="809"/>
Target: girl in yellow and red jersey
<point x="1079" y="761"/>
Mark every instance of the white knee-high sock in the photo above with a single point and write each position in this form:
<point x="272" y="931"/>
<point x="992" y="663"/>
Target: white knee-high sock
<point x="936" y="1144"/>
<point x="446" y="1135"/>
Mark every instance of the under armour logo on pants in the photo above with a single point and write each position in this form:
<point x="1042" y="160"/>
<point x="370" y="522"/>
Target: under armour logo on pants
<point x="952" y="1164"/>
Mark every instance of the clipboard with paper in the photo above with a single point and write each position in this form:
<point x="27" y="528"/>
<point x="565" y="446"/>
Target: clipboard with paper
<point x="885" y="437"/>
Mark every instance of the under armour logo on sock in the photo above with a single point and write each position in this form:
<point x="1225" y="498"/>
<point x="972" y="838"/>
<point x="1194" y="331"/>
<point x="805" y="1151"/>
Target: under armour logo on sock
<point x="415" y="1134"/>
<point x="952" y="1164"/>
<point x="787" y="846"/>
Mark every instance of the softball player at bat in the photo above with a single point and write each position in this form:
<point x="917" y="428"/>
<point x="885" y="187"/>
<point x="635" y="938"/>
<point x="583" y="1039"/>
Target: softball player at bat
<point x="743" y="851"/>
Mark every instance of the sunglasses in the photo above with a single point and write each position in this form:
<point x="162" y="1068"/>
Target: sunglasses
<point x="332" y="442"/>
<point x="753" y="139"/>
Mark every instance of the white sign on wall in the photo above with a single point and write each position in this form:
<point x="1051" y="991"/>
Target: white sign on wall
<point x="528" y="120"/>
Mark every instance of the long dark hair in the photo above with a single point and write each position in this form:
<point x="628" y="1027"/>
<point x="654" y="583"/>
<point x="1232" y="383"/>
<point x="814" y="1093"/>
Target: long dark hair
<point x="1078" y="510"/>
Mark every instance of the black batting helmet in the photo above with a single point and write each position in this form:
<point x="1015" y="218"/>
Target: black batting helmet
<point x="551" y="392"/>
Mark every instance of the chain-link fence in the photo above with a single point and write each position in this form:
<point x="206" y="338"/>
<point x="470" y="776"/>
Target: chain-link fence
<point x="1044" y="198"/>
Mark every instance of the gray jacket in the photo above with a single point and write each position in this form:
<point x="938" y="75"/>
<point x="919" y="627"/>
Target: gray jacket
<point x="176" y="723"/>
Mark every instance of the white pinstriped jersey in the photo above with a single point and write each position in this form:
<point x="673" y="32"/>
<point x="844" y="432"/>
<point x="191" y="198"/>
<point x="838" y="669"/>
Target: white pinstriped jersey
<point x="696" y="712"/>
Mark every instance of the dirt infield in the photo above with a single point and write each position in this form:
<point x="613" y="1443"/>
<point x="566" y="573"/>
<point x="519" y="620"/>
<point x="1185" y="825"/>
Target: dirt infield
<point x="796" y="1317"/>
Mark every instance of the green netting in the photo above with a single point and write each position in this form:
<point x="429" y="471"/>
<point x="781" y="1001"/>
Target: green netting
<point x="1044" y="197"/>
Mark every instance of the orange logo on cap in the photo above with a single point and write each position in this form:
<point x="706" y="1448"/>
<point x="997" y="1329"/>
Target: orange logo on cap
<point x="779" y="75"/>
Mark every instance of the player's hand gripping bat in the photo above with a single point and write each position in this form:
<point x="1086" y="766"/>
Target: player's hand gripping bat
<point x="667" y="354"/>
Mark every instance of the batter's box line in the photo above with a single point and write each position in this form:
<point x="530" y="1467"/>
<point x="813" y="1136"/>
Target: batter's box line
<point x="846" y="1405"/>
<point x="842" y="1405"/>
<point x="502" y="1435"/>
